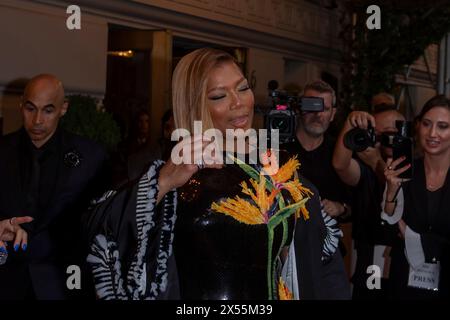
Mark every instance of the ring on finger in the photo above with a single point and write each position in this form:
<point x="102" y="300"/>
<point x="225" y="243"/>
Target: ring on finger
<point x="11" y="221"/>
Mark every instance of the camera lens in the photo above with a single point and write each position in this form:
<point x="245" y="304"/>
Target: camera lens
<point x="358" y="139"/>
<point x="280" y="123"/>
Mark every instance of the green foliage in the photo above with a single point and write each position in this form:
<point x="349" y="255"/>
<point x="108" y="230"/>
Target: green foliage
<point x="85" y="119"/>
<point x="378" y="55"/>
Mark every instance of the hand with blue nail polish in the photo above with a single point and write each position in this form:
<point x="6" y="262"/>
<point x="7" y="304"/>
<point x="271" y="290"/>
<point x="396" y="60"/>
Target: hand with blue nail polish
<point x="10" y="230"/>
<point x="3" y="253"/>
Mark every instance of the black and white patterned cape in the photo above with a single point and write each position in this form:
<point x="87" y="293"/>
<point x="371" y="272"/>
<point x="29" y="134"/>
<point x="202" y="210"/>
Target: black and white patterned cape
<point x="136" y="284"/>
<point x="333" y="233"/>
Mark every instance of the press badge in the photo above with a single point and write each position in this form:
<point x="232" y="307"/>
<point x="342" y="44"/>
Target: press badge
<point x="425" y="277"/>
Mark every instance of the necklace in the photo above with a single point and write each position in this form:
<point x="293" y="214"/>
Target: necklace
<point x="431" y="187"/>
<point x="436" y="184"/>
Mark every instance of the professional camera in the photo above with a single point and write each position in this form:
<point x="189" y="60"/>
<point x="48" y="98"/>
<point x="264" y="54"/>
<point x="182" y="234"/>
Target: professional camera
<point x="285" y="107"/>
<point x="359" y="139"/>
<point x="401" y="142"/>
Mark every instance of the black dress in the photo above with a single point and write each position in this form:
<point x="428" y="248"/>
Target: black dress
<point x="227" y="236"/>
<point x="224" y="256"/>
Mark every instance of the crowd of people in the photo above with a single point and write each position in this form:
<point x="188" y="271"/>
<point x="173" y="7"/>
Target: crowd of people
<point x="219" y="225"/>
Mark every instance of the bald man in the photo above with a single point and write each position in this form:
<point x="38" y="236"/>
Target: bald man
<point x="47" y="177"/>
<point x="382" y="98"/>
<point x="42" y="107"/>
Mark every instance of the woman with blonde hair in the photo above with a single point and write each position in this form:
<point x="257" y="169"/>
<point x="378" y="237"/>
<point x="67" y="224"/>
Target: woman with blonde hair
<point x="229" y="226"/>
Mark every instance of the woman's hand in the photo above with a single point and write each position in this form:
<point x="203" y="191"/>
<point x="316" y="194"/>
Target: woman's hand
<point x="174" y="175"/>
<point x="10" y="230"/>
<point x="391" y="174"/>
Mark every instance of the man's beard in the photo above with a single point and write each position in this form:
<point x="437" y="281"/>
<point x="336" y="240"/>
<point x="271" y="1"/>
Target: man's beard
<point x="314" y="131"/>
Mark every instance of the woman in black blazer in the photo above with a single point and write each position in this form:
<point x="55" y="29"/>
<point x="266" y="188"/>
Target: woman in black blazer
<point x="420" y="259"/>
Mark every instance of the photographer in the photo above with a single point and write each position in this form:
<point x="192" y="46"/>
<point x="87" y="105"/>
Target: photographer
<point x="420" y="207"/>
<point x="315" y="150"/>
<point x="372" y="236"/>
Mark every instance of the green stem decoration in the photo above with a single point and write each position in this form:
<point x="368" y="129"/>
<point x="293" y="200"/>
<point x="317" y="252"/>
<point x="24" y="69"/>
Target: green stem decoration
<point x="270" y="232"/>
<point x="280" y="217"/>
<point x="274" y="264"/>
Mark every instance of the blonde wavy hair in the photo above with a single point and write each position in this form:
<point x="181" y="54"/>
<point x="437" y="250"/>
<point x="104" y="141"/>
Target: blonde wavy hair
<point x="189" y="85"/>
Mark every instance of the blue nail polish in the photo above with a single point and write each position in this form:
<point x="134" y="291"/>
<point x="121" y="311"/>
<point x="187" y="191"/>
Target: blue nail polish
<point x="16" y="247"/>
<point x="24" y="247"/>
<point x="3" y="249"/>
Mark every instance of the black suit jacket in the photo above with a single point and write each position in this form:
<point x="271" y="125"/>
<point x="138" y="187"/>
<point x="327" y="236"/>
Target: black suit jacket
<point x="54" y="241"/>
<point x="434" y="234"/>
<point x="318" y="280"/>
